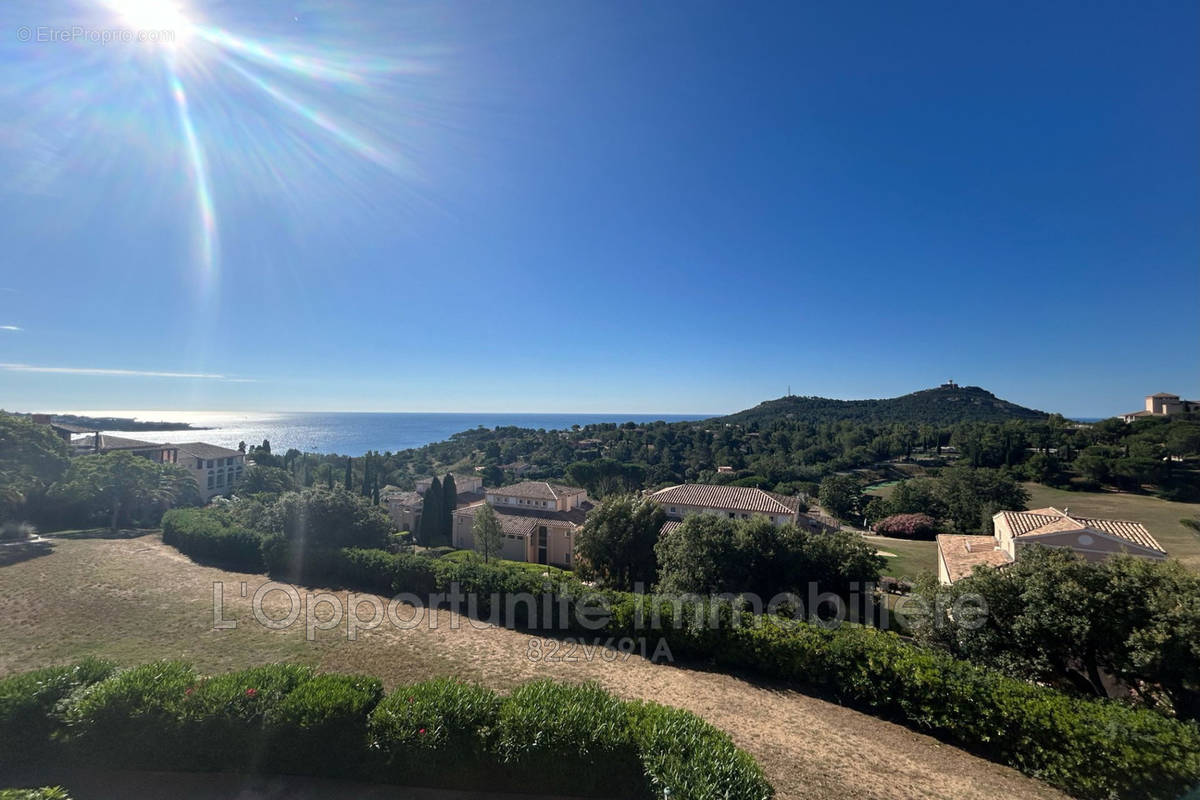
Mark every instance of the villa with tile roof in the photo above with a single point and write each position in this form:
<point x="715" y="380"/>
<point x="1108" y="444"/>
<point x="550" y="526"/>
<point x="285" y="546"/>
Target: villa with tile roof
<point x="1162" y="404"/>
<point x="734" y="502"/>
<point x="1092" y="538"/>
<point x="538" y="521"/>
<point x="405" y="507"/>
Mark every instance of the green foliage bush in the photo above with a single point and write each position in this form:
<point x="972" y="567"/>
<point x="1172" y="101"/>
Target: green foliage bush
<point x="439" y="726"/>
<point x="225" y="714"/>
<point x="208" y="538"/>
<point x="28" y="700"/>
<point x="136" y="716"/>
<point x="44" y="793"/>
<point x="321" y="725"/>
<point x="282" y="718"/>
<point x="1088" y="748"/>
<point x="692" y="758"/>
<point x="562" y="738"/>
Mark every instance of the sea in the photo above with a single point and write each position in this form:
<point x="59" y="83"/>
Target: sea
<point x="348" y="433"/>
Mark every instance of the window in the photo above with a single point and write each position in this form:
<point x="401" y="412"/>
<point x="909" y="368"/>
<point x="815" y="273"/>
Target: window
<point x="732" y="515"/>
<point x="210" y="463"/>
<point x="220" y="479"/>
<point x="210" y="480"/>
<point x="229" y="462"/>
<point x="199" y="463"/>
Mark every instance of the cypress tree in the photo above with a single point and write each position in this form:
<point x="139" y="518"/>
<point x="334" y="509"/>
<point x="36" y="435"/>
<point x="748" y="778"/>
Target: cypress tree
<point x="432" y="515"/>
<point x="329" y="475"/>
<point x="449" y="503"/>
<point x="349" y="473"/>
<point x="366" y="484"/>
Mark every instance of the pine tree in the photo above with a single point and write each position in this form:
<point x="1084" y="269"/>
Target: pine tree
<point x="349" y="473"/>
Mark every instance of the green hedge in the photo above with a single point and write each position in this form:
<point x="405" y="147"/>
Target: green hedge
<point x="284" y="719"/>
<point x="1089" y="748"/>
<point x="28" y="700"/>
<point x="207" y="538"/>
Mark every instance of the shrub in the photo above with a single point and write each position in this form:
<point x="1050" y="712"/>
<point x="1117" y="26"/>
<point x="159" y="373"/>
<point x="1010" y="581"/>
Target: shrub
<point x="134" y="717"/>
<point x="321" y="726"/>
<point x="907" y="526"/>
<point x="27" y="701"/>
<point x="440" y="726"/>
<point x="568" y="738"/>
<point x="281" y="718"/>
<point x="1088" y="748"/>
<point x="683" y="753"/>
<point x="45" y="793"/>
<point x="224" y="715"/>
<point x="207" y="538"/>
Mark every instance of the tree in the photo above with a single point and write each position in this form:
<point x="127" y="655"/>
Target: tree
<point x="32" y="457"/>
<point x="616" y="542"/>
<point x="711" y="554"/>
<point x="349" y="474"/>
<point x="431" y="531"/>
<point x="1054" y="618"/>
<point x="449" y="503"/>
<point x="840" y="495"/>
<point x="487" y="533"/>
<point x="971" y="496"/>
<point x="700" y="555"/>
<point x="271" y="480"/>
<point x="314" y="519"/>
<point x="117" y="482"/>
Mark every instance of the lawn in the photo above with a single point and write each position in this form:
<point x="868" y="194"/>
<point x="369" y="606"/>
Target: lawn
<point x="135" y="599"/>
<point x="910" y="557"/>
<point x="1161" y="517"/>
<point x="537" y="569"/>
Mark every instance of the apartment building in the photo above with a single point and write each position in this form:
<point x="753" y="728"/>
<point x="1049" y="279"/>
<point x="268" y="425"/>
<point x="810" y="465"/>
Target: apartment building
<point x="538" y="521"/>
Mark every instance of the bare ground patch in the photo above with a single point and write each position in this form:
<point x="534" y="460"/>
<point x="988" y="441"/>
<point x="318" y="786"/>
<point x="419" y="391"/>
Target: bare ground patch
<point x="136" y="600"/>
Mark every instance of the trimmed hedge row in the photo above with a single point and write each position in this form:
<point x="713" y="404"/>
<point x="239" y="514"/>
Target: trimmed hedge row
<point x="208" y="539"/>
<point x="285" y="719"/>
<point x="1089" y="748"/>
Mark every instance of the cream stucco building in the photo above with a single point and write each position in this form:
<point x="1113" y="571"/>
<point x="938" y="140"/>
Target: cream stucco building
<point x="1091" y="538"/>
<point x="538" y="521"/>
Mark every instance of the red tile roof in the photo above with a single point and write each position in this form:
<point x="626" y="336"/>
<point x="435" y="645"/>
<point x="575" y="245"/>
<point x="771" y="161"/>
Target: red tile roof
<point x="731" y="498"/>
<point x="1043" y="521"/>
<point x="962" y="553"/>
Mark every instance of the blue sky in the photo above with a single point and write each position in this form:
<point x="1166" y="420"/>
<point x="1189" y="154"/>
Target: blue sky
<point x="597" y="206"/>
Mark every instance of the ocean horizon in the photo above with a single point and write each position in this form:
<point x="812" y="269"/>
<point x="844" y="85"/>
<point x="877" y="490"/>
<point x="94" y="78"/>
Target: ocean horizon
<point x="349" y="432"/>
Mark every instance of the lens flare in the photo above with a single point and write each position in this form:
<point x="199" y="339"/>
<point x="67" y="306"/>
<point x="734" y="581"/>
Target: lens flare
<point x="245" y="107"/>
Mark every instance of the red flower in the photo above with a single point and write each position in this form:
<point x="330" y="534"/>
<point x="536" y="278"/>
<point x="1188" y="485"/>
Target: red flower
<point x="421" y="731"/>
<point x="189" y="692"/>
<point x="251" y="692"/>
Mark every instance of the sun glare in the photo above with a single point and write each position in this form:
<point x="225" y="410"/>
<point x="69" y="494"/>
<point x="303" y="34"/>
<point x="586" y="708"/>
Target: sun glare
<point x="156" y="16"/>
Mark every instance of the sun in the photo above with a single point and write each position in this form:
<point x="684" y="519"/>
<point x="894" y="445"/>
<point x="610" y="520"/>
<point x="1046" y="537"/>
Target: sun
<point x="154" y="15"/>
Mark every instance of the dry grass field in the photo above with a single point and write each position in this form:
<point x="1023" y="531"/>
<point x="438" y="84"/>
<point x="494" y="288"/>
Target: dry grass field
<point x="135" y="599"/>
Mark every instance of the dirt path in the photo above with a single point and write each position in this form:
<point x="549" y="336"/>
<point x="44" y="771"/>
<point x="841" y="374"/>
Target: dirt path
<point x="136" y="600"/>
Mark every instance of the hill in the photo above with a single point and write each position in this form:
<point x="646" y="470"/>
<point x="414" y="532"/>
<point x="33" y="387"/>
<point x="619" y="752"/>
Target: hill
<point x="945" y="405"/>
